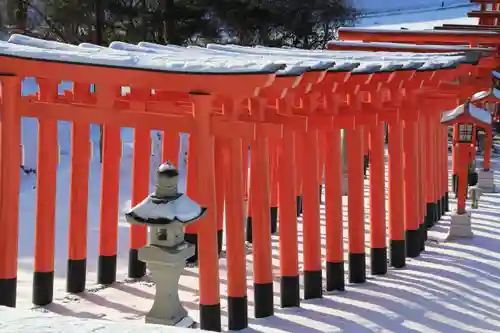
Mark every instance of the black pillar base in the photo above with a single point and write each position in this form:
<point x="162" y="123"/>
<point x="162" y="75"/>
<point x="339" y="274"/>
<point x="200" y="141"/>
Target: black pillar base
<point x="290" y="291"/>
<point x="313" y="284"/>
<point x="8" y="292"/>
<point x="357" y="268"/>
<point x="299" y="205"/>
<point x="76" y="276"/>
<point x="43" y="288"/>
<point x="335" y="276"/>
<point x="366" y="164"/>
<point x="413" y="243"/>
<point x="436" y="213"/>
<point x="378" y="261"/>
<point x="220" y="239"/>
<point x="274" y="220"/>
<point x="441" y="207"/>
<point x="454" y="183"/>
<point x="193" y="239"/>
<point x="136" y="268"/>
<point x="429" y="216"/>
<point x="263" y="299"/>
<point x="397" y="249"/>
<point x="320" y="194"/>
<point x="438" y="206"/>
<point x="237" y="313"/>
<point x="249" y="236"/>
<point x="422" y="236"/>
<point x="210" y="317"/>
<point x="446" y="202"/>
<point x="106" y="269"/>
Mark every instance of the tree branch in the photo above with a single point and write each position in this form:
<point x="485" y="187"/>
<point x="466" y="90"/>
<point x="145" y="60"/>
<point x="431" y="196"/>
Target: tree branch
<point x="44" y="17"/>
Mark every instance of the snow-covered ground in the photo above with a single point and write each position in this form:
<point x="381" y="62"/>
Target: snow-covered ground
<point x="452" y="287"/>
<point x="383" y="7"/>
<point x="422" y="18"/>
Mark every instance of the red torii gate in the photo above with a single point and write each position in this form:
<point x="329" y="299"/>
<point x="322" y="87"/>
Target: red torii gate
<point x="255" y="109"/>
<point x="481" y="80"/>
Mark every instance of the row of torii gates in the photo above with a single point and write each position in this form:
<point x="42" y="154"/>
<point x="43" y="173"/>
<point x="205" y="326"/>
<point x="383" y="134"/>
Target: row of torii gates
<point x="290" y="110"/>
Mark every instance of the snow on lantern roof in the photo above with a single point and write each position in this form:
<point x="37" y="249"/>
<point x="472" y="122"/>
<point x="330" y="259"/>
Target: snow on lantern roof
<point x="165" y="205"/>
<point x="467" y="109"/>
<point x="493" y="92"/>
<point x="162" y="212"/>
<point x="480" y="95"/>
<point x="168" y="169"/>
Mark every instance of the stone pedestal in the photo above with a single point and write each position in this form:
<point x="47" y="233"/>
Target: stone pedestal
<point x="166" y="266"/>
<point x="344" y="184"/>
<point x="460" y="226"/>
<point x="485" y="181"/>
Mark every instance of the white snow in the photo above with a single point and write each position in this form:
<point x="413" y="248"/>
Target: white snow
<point x="183" y="209"/>
<point x="434" y="47"/>
<point x="480" y="95"/>
<point x="290" y="60"/>
<point x="31" y="48"/>
<point x="420" y="19"/>
<point x="197" y="60"/>
<point x="452" y="287"/>
<point x="483" y="94"/>
<point x="384" y="7"/>
<point x="410" y="32"/>
<point x="15" y="321"/>
<point x="366" y="58"/>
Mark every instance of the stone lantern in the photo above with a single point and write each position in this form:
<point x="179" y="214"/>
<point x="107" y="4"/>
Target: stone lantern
<point x="166" y="212"/>
<point x="465" y="118"/>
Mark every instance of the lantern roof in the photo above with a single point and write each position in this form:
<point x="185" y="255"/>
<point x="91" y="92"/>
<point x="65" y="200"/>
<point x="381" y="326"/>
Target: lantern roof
<point x="165" y="205"/>
<point x="229" y="59"/>
<point x="467" y="112"/>
<point x="155" y="211"/>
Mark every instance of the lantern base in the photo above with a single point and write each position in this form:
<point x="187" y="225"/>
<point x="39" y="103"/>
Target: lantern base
<point x="166" y="266"/>
<point x="460" y="226"/>
<point x="485" y="181"/>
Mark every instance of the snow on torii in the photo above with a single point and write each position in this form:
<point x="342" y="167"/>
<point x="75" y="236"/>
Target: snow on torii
<point x="220" y="59"/>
